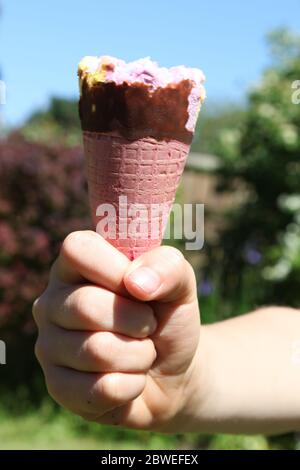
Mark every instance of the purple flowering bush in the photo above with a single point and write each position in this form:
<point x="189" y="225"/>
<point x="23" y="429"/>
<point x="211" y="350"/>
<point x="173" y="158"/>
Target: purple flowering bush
<point x="42" y="198"/>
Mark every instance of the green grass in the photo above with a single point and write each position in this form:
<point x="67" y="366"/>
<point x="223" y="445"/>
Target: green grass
<point x="49" y="428"/>
<point x="32" y="432"/>
<point x="45" y="429"/>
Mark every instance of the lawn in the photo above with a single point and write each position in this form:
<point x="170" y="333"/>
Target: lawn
<point x="55" y="429"/>
<point x="45" y="429"/>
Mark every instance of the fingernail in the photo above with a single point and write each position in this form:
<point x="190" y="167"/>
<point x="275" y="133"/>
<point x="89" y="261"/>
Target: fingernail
<point x="146" y="279"/>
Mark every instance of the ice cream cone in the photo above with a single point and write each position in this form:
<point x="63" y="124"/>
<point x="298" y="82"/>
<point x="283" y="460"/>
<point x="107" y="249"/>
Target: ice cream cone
<point x="138" y="122"/>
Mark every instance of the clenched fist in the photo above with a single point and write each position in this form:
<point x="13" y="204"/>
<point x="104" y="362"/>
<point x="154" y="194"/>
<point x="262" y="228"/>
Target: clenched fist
<point x="118" y="340"/>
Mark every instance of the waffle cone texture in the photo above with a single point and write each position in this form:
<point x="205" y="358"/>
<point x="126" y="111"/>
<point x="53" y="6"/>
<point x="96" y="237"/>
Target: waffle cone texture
<point x="132" y="186"/>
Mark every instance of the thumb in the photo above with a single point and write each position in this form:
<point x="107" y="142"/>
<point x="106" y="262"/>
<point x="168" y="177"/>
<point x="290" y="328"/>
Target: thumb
<point x="162" y="274"/>
<point x="164" y="277"/>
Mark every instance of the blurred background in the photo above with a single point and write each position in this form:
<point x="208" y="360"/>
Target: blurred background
<point x="244" y="167"/>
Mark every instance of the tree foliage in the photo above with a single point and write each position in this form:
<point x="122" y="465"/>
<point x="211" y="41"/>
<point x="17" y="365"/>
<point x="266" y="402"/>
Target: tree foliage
<point x="261" y="240"/>
<point x="59" y="122"/>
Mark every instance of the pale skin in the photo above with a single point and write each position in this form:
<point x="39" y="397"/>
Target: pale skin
<point x="120" y="343"/>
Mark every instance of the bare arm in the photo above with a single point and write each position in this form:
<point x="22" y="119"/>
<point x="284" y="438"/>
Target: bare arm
<point x="250" y="368"/>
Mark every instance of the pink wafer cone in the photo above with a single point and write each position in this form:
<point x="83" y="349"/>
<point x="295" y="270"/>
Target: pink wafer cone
<point x="138" y="122"/>
<point x="140" y="175"/>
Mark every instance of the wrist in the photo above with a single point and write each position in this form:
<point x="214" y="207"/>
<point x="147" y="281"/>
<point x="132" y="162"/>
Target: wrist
<point x="199" y="389"/>
<point x="195" y="392"/>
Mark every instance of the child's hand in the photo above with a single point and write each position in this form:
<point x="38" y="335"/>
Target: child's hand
<point x="117" y="339"/>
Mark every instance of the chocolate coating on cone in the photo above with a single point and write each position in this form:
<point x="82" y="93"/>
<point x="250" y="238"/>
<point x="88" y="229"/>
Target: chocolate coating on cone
<point x="135" y="112"/>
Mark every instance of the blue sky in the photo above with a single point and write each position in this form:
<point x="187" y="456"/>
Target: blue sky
<point x="41" y="42"/>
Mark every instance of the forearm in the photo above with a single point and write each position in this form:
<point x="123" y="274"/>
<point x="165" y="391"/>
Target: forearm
<point x="247" y="377"/>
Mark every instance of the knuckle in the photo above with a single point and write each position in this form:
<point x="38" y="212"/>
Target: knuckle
<point x="151" y="351"/>
<point x="110" y="388"/>
<point x="80" y="303"/>
<point x="146" y="322"/>
<point x="40" y="350"/>
<point x="73" y="242"/>
<point x="90" y="348"/>
<point x="147" y="355"/>
<point x="172" y="258"/>
<point x="171" y="253"/>
<point x="99" y="350"/>
<point x="39" y="307"/>
<point x="107" y="349"/>
<point x="70" y="243"/>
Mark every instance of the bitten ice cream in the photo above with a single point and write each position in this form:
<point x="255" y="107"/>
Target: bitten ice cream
<point x="138" y="121"/>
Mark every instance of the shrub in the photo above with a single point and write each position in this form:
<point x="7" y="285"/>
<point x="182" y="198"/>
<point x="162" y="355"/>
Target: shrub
<point x="42" y="198"/>
<point x="259" y="249"/>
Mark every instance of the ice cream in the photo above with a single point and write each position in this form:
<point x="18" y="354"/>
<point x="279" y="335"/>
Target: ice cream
<point x="138" y="121"/>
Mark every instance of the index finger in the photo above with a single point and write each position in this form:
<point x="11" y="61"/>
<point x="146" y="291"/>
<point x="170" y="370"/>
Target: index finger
<point x="85" y="255"/>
